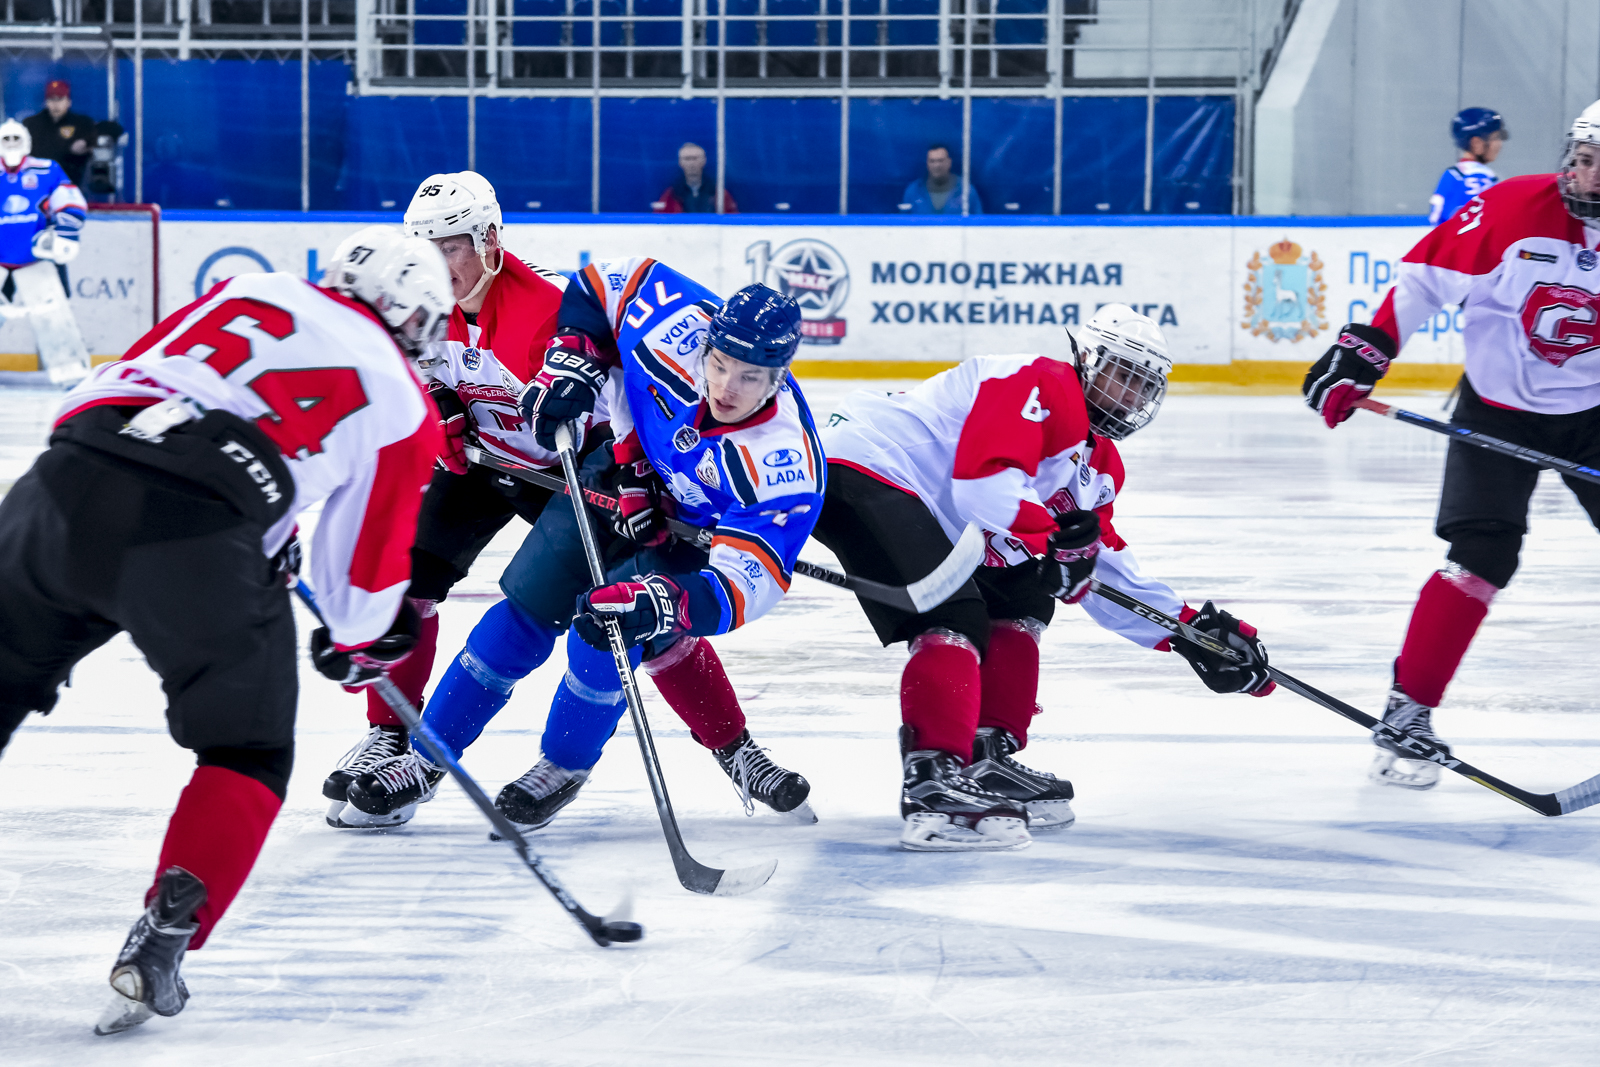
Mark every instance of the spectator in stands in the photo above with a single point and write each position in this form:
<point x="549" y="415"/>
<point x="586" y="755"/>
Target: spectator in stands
<point x="938" y="192"/>
<point x="691" y="193"/>
<point x="60" y="133"/>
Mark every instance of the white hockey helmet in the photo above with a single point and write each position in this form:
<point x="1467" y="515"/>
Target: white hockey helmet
<point x="15" y="142"/>
<point x="447" y="204"/>
<point x="1581" y="205"/>
<point x="404" y="279"/>
<point x="1123" y="364"/>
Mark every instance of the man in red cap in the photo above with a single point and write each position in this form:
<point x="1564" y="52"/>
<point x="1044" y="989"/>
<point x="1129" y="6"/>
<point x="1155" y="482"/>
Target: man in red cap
<point x="60" y="133"/>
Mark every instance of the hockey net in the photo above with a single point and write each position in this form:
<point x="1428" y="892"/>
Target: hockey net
<point x="116" y="280"/>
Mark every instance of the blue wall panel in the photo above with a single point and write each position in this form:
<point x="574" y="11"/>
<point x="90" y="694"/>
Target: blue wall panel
<point x="784" y="151"/>
<point x="535" y="150"/>
<point x="1194" y="156"/>
<point x="1012" y="141"/>
<point x="889" y="141"/>
<point x="392" y="143"/>
<point x="639" y="142"/>
<point x="1102" y="156"/>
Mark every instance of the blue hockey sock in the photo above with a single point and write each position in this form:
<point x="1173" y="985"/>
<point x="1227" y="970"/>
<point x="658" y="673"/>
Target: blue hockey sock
<point x="587" y="705"/>
<point x="505" y="647"/>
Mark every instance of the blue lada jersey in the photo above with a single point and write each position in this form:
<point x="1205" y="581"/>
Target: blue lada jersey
<point x="1457" y="185"/>
<point x="758" y="482"/>
<point x="35" y="195"/>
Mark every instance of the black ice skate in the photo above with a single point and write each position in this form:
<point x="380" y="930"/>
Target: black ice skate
<point x="755" y="777"/>
<point x="945" y="811"/>
<point x="1392" y="765"/>
<point x="1047" y="798"/>
<point x="145" y="978"/>
<point x="534" y="799"/>
<point x="388" y="794"/>
<point x="379" y="744"/>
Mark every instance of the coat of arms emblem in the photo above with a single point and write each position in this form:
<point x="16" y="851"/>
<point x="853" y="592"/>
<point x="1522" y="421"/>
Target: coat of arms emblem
<point x="1285" y="298"/>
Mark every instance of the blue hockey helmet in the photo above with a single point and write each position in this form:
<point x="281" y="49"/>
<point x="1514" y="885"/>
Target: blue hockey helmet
<point x="1477" y="122"/>
<point x="757" y="325"/>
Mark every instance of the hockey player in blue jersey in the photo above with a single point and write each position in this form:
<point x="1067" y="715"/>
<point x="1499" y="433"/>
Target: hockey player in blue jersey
<point x="1479" y="133"/>
<point x="43" y="214"/>
<point x="708" y="427"/>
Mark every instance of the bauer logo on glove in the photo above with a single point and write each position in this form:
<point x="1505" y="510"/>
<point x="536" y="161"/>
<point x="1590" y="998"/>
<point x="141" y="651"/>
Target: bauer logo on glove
<point x="647" y="607"/>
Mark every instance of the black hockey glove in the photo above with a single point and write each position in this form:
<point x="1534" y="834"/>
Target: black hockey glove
<point x="286" y="561"/>
<point x="647" y="607"/>
<point x="1220" y="674"/>
<point x="642" y="504"/>
<point x="565" y="389"/>
<point x="453" y="421"/>
<point x="1347" y="372"/>
<point x="1068" y="564"/>
<point x="357" y="667"/>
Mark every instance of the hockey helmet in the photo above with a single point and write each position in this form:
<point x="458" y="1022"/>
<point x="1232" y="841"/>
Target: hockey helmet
<point x="15" y="142"/>
<point x="404" y="279"/>
<point x="757" y="325"/>
<point x="1582" y="204"/>
<point x="1123" y="365"/>
<point x="1477" y="122"/>
<point x="448" y="204"/>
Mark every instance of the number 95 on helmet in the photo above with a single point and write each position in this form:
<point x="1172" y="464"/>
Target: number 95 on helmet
<point x="1123" y="365"/>
<point x="403" y="279"/>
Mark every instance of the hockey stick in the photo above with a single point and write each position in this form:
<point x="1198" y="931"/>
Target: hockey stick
<point x="1482" y="440"/>
<point x="603" y="932"/>
<point x="922" y="595"/>
<point x="694" y="875"/>
<point x="1578" y="797"/>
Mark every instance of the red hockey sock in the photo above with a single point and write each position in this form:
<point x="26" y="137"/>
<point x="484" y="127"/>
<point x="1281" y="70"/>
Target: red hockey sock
<point x="692" y="681"/>
<point x="215" y="834"/>
<point x="940" y="691"/>
<point x="1452" y="605"/>
<point x="410" y="674"/>
<point x="1010" y="675"/>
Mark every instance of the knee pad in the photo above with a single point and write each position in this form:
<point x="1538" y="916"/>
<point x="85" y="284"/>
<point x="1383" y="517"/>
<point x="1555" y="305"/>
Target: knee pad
<point x="1032" y="627"/>
<point x="941" y="636"/>
<point x="269" y="766"/>
<point x="1487" y="550"/>
<point x="506" y="646"/>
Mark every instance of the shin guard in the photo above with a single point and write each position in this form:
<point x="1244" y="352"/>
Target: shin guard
<point x="586" y="707"/>
<point x="692" y="681"/>
<point x="410" y="674"/>
<point x="1010" y="675"/>
<point x="506" y="646"/>
<point x="216" y="833"/>
<point x="1452" y="605"/>
<point x="940" y="693"/>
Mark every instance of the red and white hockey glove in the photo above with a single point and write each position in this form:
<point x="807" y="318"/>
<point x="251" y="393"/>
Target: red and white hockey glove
<point x="1068" y="564"/>
<point x="355" y="668"/>
<point x="649" y="607"/>
<point x="1220" y="674"/>
<point x="453" y="421"/>
<point x="565" y="389"/>
<point x="1347" y="371"/>
<point x="642" y="504"/>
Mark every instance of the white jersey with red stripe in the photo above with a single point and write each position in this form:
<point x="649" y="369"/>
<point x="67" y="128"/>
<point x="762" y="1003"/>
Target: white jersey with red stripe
<point x="320" y="376"/>
<point x="1528" y="278"/>
<point x="1004" y="442"/>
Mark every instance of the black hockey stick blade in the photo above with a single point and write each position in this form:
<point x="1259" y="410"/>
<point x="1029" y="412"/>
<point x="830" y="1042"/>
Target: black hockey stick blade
<point x="922" y="595"/>
<point x="692" y="874"/>
<point x="1584" y="794"/>
<point x="603" y="932"/>
<point x="1481" y="440"/>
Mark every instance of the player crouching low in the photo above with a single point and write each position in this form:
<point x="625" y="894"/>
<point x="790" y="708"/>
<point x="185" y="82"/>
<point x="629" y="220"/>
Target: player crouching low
<point x="1023" y="447"/>
<point x="165" y="506"/>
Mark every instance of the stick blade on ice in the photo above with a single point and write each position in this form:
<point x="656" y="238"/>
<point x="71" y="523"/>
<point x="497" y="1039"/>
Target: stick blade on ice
<point x="741" y="880"/>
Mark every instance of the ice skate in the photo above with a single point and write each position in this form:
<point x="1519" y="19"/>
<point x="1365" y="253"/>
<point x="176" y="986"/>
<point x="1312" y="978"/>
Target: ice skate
<point x="755" y="777"/>
<point x="533" y="800"/>
<point x="145" y="978"/>
<point x="388" y="794"/>
<point x="1047" y="798"/>
<point x="1390" y="764"/>
<point x="379" y="744"/>
<point x="945" y="811"/>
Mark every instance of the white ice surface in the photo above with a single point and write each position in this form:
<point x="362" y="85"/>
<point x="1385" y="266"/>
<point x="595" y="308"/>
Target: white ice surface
<point x="1235" y="891"/>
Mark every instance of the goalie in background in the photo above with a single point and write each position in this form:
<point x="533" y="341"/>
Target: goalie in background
<point x="41" y="221"/>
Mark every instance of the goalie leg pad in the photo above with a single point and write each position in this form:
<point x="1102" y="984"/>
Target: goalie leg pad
<point x="62" y="353"/>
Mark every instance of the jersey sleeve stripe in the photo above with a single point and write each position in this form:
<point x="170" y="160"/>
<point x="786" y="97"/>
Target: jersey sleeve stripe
<point x="742" y="487"/>
<point x="668" y="374"/>
<point x="729" y="597"/>
<point x="755" y="546"/>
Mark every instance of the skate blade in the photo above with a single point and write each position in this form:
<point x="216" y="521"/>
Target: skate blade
<point x="928" y="831"/>
<point x="345" y="816"/>
<point x="802" y="815"/>
<point x="1389" y="769"/>
<point x="122" y="1014"/>
<point x="1045" y="815"/>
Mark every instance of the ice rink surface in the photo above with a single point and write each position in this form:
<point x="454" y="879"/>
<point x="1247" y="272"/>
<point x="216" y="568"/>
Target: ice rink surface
<point x="1235" y="891"/>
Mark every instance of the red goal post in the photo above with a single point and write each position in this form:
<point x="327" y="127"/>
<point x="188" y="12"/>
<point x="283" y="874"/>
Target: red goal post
<point x="142" y="248"/>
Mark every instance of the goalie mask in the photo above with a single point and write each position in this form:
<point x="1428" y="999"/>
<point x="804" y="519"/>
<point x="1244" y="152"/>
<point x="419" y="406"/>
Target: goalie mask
<point x="446" y="205"/>
<point x="404" y="279"/>
<point x="15" y="143"/>
<point x="1579" y="180"/>
<point x="1123" y="365"/>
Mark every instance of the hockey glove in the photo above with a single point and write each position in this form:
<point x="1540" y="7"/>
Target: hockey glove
<point x="646" y="608"/>
<point x="642" y="506"/>
<point x="1068" y="564"/>
<point x="453" y="421"/>
<point x="1347" y="372"/>
<point x="286" y="561"/>
<point x="355" y="668"/>
<point x="565" y="389"/>
<point x="1220" y="674"/>
<point x="56" y="246"/>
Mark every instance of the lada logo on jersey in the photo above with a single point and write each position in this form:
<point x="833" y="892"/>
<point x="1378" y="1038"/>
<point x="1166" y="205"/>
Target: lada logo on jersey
<point x="472" y="359"/>
<point x="15" y="204"/>
<point x="1285" y="299"/>
<point x="814" y="275"/>
<point x="782" y="457"/>
<point x="687" y="333"/>
<point x="686" y="438"/>
<point x="1561" y="321"/>
<point x="706" y="470"/>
